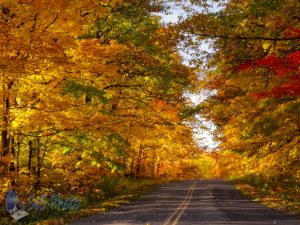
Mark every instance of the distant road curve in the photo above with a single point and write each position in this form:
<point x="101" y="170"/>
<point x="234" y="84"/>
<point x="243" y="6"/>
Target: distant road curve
<point x="203" y="202"/>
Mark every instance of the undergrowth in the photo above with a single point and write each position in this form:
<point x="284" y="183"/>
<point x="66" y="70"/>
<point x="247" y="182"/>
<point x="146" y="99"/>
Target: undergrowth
<point x="281" y="194"/>
<point x="116" y="192"/>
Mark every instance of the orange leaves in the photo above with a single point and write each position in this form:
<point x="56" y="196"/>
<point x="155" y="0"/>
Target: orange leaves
<point x="160" y="104"/>
<point x="91" y="48"/>
<point x="5" y="160"/>
<point x="167" y="110"/>
<point x="71" y="90"/>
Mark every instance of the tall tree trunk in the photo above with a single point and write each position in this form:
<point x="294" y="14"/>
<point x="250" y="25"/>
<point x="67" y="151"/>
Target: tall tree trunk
<point x="132" y="168"/>
<point x="139" y="162"/>
<point x="18" y="159"/>
<point x="30" y="156"/>
<point x="153" y="164"/>
<point x="158" y="168"/>
<point x="5" y="142"/>
<point x="12" y="167"/>
<point x="18" y="154"/>
<point x="44" y="153"/>
<point x="38" y="174"/>
<point x="38" y="159"/>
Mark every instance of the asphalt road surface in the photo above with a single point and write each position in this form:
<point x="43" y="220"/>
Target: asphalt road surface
<point x="207" y="202"/>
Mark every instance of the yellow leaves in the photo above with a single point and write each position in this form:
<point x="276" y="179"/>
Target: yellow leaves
<point x="71" y="52"/>
<point x="230" y="132"/>
<point x="134" y="77"/>
<point x="5" y="185"/>
<point x="97" y="58"/>
<point x="266" y="45"/>
<point x="92" y="47"/>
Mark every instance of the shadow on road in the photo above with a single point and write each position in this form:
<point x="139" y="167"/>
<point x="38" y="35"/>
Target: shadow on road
<point x="211" y="202"/>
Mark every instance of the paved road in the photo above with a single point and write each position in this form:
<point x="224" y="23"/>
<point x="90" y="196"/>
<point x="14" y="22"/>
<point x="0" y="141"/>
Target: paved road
<point x="205" y="202"/>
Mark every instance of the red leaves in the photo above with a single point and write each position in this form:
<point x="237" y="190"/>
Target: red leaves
<point x="281" y="66"/>
<point x="260" y="95"/>
<point x="290" y="64"/>
<point x="245" y="66"/>
<point x="287" y="67"/>
<point x="294" y="58"/>
<point x="292" y="32"/>
<point x="289" y="88"/>
<point x="271" y="61"/>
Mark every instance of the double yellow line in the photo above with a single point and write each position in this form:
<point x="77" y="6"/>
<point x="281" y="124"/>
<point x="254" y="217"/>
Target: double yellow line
<point x="175" y="217"/>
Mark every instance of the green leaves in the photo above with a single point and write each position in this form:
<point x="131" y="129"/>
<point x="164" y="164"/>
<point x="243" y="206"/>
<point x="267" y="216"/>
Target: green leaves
<point x="189" y="111"/>
<point x="115" y="143"/>
<point x="78" y="90"/>
<point x="258" y="7"/>
<point x="247" y="33"/>
<point x="125" y="23"/>
<point x="99" y="85"/>
<point x="266" y="126"/>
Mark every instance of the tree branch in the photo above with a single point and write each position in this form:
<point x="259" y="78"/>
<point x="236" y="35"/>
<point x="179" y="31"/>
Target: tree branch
<point x="247" y="38"/>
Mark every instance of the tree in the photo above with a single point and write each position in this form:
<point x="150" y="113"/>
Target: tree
<point x="254" y="75"/>
<point x="80" y="83"/>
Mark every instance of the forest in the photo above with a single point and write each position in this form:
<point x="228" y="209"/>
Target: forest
<point x="94" y="95"/>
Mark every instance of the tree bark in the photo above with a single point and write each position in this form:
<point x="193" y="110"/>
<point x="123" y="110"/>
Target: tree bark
<point x="18" y="154"/>
<point x="5" y="142"/>
<point x="12" y="166"/>
<point x="38" y="172"/>
<point x="139" y="166"/>
<point x="30" y="155"/>
<point x="132" y="169"/>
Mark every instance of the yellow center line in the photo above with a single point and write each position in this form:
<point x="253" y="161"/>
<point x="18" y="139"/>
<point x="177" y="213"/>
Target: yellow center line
<point x="182" y="207"/>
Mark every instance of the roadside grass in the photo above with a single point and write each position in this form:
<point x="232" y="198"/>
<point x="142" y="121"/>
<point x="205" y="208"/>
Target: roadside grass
<point x="283" y="195"/>
<point x="117" y="194"/>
